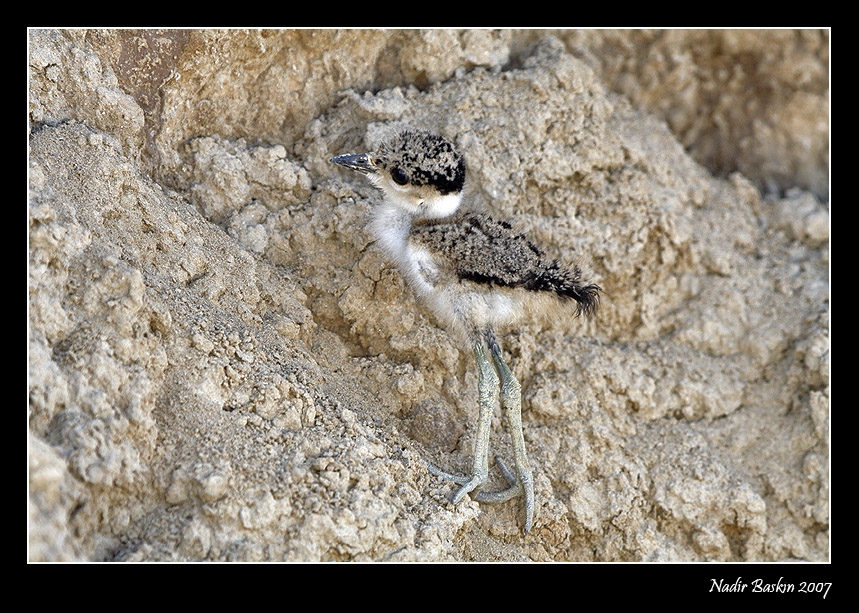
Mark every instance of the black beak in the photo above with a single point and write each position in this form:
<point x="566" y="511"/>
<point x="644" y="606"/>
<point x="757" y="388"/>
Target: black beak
<point x="355" y="161"/>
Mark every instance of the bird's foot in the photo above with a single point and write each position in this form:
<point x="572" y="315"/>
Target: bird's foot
<point x="521" y="483"/>
<point x="469" y="484"/>
<point x="518" y="486"/>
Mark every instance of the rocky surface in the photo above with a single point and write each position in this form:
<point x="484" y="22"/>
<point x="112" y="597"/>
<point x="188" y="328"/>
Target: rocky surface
<point x="223" y="367"/>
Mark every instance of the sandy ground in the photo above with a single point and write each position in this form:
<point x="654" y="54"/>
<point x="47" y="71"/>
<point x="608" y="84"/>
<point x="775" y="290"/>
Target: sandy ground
<point x="221" y="365"/>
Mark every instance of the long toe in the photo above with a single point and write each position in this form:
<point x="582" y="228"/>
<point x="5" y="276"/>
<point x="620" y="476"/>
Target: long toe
<point x="469" y="484"/>
<point x="520" y="484"/>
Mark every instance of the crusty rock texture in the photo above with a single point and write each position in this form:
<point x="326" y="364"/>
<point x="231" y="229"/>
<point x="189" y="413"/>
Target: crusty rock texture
<point x="222" y="366"/>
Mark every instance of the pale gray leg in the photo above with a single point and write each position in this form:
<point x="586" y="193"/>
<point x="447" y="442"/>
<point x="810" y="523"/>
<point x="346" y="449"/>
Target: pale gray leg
<point x="511" y="403"/>
<point x="487" y="389"/>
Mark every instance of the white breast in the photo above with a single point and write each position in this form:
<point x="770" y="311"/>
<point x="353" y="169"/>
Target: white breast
<point x="390" y="226"/>
<point x="453" y="303"/>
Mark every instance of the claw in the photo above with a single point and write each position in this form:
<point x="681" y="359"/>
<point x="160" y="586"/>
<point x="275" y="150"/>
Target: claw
<point x="469" y="484"/>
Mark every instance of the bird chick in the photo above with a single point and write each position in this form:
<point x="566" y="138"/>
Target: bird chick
<point x="476" y="274"/>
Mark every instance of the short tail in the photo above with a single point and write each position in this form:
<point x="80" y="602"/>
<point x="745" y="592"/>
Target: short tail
<point x="566" y="284"/>
<point x="587" y="297"/>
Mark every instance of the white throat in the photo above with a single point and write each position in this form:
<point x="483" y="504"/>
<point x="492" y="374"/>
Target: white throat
<point x="442" y="206"/>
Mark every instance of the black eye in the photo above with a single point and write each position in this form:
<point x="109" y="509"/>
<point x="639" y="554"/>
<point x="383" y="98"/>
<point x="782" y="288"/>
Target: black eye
<point x="399" y="176"/>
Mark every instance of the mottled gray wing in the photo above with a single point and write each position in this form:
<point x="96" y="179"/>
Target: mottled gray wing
<point x="480" y="249"/>
<point x="484" y="250"/>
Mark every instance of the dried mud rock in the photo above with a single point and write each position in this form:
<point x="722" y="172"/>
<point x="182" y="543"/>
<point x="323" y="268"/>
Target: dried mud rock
<point x="223" y="367"/>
